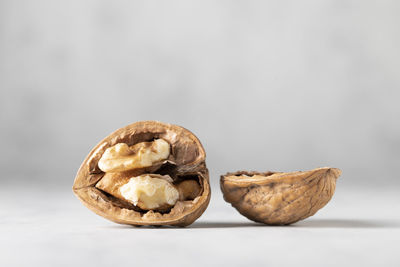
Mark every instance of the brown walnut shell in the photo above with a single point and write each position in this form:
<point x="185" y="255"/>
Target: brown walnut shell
<point x="186" y="161"/>
<point x="279" y="198"/>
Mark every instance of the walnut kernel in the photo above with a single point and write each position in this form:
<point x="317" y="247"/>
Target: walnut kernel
<point x="149" y="193"/>
<point x="122" y="157"/>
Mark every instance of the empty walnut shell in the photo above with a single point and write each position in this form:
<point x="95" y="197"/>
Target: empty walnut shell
<point x="186" y="162"/>
<point x="279" y="198"/>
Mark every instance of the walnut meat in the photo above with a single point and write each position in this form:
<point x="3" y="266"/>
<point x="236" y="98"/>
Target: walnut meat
<point x="147" y="173"/>
<point x="121" y="157"/>
<point x="279" y="198"/>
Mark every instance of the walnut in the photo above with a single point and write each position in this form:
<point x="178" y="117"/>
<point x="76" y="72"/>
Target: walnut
<point x="121" y="157"/>
<point x="279" y="198"/>
<point x="147" y="173"/>
<point x="188" y="189"/>
<point x="150" y="193"/>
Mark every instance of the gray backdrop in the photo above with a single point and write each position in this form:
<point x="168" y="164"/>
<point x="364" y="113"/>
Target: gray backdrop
<point x="265" y="85"/>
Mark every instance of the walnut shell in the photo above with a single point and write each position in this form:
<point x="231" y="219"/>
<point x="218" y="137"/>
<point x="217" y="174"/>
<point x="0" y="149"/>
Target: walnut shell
<point x="186" y="161"/>
<point x="279" y="198"/>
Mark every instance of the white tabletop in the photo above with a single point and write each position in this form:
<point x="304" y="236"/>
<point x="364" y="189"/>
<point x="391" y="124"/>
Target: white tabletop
<point x="50" y="227"/>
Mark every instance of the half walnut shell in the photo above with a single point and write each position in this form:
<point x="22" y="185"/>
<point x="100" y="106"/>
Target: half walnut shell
<point x="99" y="191"/>
<point x="279" y="198"/>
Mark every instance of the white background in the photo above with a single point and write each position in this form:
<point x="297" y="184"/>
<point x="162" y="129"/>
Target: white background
<point x="265" y="85"/>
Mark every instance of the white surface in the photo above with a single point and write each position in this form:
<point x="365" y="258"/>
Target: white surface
<point x="48" y="227"/>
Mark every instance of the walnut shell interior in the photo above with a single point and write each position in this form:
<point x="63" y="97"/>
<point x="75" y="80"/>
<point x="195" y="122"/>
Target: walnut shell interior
<point x="185" y="162"/>
<point x="279" y="198"/>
